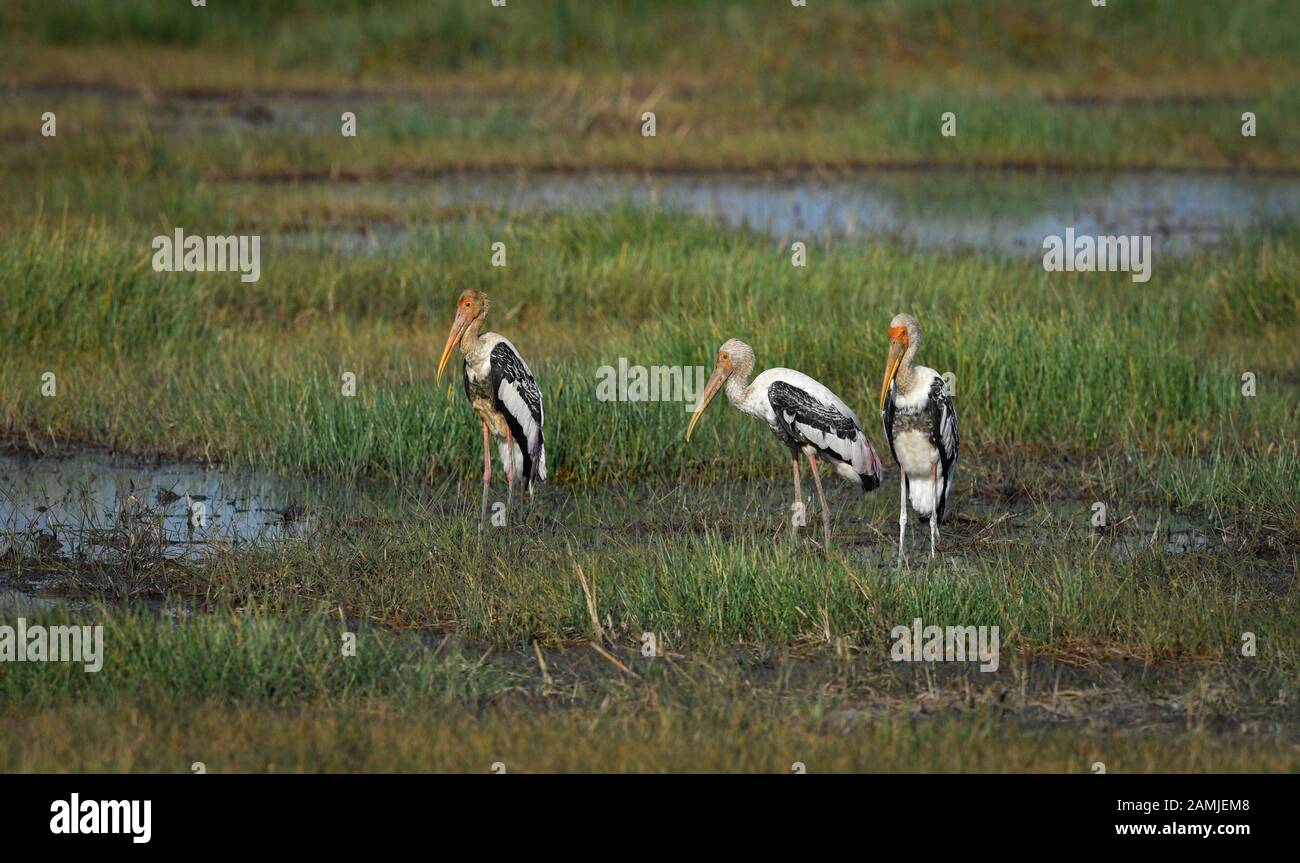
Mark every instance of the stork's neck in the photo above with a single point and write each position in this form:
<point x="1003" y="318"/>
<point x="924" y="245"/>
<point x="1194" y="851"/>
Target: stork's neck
<point x="470" y="339"/>
<point x="738" y="388"/>
<point x="903" y="379"/>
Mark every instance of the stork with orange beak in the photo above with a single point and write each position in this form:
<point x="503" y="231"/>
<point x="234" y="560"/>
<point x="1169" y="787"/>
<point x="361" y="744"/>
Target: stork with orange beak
<point x="501" y="389"/>
<point x="921" y="427"/>
<point x="802" y="414"/>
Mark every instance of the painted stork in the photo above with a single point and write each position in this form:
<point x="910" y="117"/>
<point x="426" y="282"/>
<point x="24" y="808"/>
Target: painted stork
<point x="803" y="414"/>
<point x="921" y="427"/>
<point x="501" y="389"/>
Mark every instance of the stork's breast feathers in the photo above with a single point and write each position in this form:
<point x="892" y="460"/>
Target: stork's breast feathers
<point x="914" y="452"/>
<point x="921" y="425"/>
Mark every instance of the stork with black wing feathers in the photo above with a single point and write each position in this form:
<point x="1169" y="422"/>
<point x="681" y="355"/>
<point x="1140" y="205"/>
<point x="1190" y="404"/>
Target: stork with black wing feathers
<point x="501" y="389"/>
<point x="921" y="427"/>
<point x="802" y="414"/>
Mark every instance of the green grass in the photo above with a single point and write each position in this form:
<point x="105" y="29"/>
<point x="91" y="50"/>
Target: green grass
<point x="203" y="364"/>
<point x="254" y="693"/>
<point x="239" y="659"/>
<point x="705" y="572"/>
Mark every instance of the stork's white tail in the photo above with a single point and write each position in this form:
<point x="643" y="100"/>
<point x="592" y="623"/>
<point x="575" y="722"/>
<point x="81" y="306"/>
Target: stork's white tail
<point x="539" y="463"/>
<point x="866" y="468"/>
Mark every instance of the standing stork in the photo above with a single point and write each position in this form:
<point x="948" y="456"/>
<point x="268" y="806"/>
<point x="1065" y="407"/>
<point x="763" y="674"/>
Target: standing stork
<point x="501" y="389"/>
<point x="803" y="414"/>
<point x="921" y="427"/>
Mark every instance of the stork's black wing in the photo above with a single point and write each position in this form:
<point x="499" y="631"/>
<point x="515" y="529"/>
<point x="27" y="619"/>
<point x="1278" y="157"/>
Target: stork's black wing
<point x="803" y="419"/>
<point x="943" y="436"/>
<point x="516" y="395"/>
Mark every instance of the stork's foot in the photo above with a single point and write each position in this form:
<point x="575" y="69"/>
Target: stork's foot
<point x="820" y="543"/>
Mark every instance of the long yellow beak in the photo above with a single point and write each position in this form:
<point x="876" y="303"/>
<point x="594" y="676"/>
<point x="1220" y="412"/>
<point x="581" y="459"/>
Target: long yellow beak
<point x="896" y="349"/>
<point x="710" y="390"/>
<point x="457" y="328"/>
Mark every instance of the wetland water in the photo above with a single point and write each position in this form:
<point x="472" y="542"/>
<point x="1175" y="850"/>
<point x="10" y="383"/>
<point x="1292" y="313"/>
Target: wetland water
<point x="92" y="505"/>
<point x="77" y="506"/>
<point x="1004" y="212"/>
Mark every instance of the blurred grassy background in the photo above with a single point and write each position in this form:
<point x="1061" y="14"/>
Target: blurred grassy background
<point x="830" y="42"/>
<point x="460" y="82"/>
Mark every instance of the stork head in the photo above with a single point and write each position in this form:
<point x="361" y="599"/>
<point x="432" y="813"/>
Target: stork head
<point x="904" y="339"/>
<point x="734" y="358"/>
<point x="471" y="306"/>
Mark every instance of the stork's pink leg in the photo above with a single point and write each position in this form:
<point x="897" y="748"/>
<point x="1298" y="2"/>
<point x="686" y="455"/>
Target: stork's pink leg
<point x="798" y="497"/>
<point x="821" y="499"/>
<point x="934" y="507"/>
<point x="510" y="469"/>
<point x="487" y="478"/>
<point x="902" y="512"/>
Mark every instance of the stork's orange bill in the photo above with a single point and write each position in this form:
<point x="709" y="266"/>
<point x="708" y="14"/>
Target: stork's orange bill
<point x="897" y="347"/>
<point x="710" y="390"/>
<point x="457" y="330"/>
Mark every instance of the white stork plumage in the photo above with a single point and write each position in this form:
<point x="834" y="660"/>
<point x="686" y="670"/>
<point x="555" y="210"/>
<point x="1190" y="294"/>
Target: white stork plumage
<point x="504" y="395"/>
<point x="921" y="427"/>
<point x="804" y="415"/>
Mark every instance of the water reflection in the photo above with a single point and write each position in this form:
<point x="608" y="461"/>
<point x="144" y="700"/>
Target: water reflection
<point x="86" y="504"/>
<point x="1009" y="213"/>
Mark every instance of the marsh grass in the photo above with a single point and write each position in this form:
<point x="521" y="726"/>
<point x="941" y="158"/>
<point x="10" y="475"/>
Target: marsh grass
<point x="263" y="693"/>
<point x="709" y="566"/>
<point x="239" y="658"/>
<point x="708" y="591"/>
<point x="197" y="364"/>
